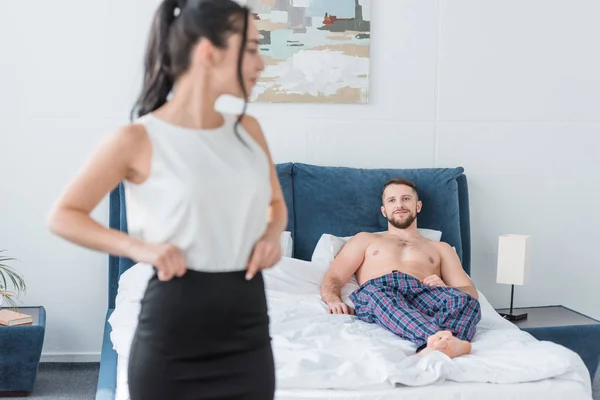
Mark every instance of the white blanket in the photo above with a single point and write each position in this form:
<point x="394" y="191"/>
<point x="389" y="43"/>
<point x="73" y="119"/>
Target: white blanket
<point x="316" y="350"/>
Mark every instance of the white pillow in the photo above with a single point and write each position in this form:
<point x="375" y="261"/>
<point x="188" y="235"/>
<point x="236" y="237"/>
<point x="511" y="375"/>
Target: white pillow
<point x="329" y="246"/>
<point x="287" y="244"/>
<point x="295" y="276"/>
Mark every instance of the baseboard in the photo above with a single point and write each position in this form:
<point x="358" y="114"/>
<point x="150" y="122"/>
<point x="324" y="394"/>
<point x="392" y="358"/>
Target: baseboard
<point x="71" y="357"/>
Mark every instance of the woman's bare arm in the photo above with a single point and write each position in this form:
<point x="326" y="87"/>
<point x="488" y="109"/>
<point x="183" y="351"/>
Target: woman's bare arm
<point x="278" y="213"/>
<point x="118" y="157"/>
<point x="267" y="251"/>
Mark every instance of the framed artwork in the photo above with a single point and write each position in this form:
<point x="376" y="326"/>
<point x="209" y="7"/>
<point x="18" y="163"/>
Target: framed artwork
<point x="315" y="51"/>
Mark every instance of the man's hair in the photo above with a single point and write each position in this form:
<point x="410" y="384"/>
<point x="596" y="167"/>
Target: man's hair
<point x="400" y="181"/>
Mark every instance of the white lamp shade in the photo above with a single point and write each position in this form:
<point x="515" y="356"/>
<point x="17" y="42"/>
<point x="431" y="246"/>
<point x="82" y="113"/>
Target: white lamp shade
<point x="514" y="259"/>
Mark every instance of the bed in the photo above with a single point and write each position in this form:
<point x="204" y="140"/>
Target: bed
<point x="320" y="356"/>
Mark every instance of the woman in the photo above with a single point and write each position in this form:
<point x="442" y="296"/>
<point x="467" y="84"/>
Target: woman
<point x="204" y="206"/>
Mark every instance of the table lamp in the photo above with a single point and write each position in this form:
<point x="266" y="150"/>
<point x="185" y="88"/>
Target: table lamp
<point x="514" y="260"/>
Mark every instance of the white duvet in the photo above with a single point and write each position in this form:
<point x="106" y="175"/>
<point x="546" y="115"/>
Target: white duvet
<point x="316" y="350"/>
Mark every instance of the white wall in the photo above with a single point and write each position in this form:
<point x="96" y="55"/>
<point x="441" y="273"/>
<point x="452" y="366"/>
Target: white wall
<point x="454" y="82"/>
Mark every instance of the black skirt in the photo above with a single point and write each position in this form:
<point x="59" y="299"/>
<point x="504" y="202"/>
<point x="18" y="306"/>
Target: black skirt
<point x="203" y="336"/>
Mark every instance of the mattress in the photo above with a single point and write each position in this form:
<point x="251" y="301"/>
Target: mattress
<point x="323" y="356"/>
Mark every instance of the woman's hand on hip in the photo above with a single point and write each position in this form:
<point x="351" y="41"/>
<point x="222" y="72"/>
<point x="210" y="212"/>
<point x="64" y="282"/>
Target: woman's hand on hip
<point x="166" y="258"/>
<point x="266" y="253"/>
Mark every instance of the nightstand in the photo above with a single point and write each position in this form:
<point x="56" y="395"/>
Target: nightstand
<point x="566" y="327"/>
<point x="21" y="350"/>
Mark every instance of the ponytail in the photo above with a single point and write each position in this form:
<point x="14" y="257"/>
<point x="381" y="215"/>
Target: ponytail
<point x="158" y="76"/>
<point x="240" y="75"/>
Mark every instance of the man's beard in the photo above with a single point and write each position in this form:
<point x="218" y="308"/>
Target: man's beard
<point x="403" y="224"/>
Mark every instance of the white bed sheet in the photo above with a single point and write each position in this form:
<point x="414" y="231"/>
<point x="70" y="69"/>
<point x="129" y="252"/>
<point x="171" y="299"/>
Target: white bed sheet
<point x="322" y="356"/>
<point x="549" y="389"/>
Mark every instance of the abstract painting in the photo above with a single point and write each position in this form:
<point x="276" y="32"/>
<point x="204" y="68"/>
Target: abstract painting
<point x="314" y="50"/>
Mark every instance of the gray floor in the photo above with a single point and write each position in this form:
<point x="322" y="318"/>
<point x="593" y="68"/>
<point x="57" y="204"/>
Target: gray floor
<point x="78" y="381"/>
<point x="64" y="381"/>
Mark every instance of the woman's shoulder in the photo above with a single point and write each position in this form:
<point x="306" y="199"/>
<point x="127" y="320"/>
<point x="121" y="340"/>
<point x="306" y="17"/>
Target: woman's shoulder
<point x="250" y="125"/>
<point x="130" y="136"/>
<point x="135" y="130"/>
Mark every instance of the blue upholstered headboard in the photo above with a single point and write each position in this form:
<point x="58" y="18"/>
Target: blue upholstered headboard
<point x="344" y="201"/>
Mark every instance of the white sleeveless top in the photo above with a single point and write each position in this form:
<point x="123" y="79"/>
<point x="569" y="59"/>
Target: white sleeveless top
<point x="207" y="193"/>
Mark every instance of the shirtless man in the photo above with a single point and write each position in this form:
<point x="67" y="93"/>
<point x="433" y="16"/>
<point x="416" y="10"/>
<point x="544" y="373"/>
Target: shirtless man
<point x="414" y="287"/>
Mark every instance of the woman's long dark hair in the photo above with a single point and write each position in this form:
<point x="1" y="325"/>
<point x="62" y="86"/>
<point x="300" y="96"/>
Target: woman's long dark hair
<point x="177" y="27"/>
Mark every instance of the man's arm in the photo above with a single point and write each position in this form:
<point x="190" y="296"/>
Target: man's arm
<point x="452" y="271"/>
<point x="345" y="264"/>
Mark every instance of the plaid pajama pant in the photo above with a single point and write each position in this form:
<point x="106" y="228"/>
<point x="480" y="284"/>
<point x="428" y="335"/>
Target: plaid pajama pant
<point x="403" y="305"/>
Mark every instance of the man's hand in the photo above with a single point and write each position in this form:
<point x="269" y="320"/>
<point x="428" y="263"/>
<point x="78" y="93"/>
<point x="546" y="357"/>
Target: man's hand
<point x="339" y="307"/>
<point x="433" y="280"/>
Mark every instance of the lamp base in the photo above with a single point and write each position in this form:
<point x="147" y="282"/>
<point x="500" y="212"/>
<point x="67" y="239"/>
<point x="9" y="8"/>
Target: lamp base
<point x="513" y="317"/>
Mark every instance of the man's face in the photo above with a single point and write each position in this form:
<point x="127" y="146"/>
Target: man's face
<point x="400" y="205"/>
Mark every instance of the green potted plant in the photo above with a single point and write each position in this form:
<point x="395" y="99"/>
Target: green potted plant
<point x="9" y="275"/>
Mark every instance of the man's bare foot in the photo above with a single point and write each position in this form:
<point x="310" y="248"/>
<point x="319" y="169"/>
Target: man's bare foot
<point x="452" y="347"/>
<point x="441" y="335"/>
<point x="444" y="342"/>
<point x="425" y="351"/>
